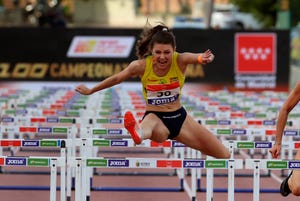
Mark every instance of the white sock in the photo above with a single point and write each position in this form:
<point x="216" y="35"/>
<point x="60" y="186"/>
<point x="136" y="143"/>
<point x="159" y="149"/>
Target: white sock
<point x="141" y="133"/>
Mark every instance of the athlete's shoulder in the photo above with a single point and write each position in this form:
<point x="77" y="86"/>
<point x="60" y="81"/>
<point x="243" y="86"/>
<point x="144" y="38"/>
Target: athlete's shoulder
<point x="137" y="67"/>
<point x="138" y="62"/>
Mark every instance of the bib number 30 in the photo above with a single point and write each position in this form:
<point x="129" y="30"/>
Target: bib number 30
<point x="163" y="93"/>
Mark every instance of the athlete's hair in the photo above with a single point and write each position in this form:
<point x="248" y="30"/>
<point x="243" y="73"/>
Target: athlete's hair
<point x="151" y="35"/>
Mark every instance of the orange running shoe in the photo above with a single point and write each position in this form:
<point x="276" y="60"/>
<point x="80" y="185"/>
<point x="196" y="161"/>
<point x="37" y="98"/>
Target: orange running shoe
<point x="130" y="124"/>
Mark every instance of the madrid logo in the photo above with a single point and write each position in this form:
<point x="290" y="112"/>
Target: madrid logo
<point x="255" y="53"/>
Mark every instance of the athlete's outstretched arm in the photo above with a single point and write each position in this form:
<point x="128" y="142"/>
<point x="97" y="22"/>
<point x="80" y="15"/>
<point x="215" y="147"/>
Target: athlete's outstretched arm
<point x="134" y="69"/>
<point x="288" y="105"/>
<point x="186" y="58"/>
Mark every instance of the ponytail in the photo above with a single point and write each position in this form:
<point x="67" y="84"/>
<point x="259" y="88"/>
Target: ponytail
<point x="149" y="36"/>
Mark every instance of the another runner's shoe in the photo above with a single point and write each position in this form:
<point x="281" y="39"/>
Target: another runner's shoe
<point x="284" y="187"/>
<point x="130" y="124"/>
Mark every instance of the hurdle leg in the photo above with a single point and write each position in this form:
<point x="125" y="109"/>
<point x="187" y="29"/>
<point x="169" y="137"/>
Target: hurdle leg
<point x="209" y="184"/>
<point x="89" y="175"/>
<point x="73" y="150"/>
<point x="53" y="166"/>
<point x="269" y="155"/>
<point x="231" y="149"/>
<point x="78" y="180"/>
<point x="256" y="183"/>
<point x="63" y="183"/>
<point x="93" y="152"/>
<point x="11" y="135"/>
<point x="238" y="138"/>
<point x="69" y="175"/>
<point x="85" y="151"/>
<point x="198" y="173"/>
<point x="251" y="151"/>
<point x="263" y="151"/>
<point x="188" y="155"/>
<point x="290" y="152"/>
<point x="193" y="178"/>
<point x="84" y="181"/>
<point x="230" y="180"/>
<point x="63" y="172"/>
<point x="180" y="172"/>
<point x="1" y="148"/>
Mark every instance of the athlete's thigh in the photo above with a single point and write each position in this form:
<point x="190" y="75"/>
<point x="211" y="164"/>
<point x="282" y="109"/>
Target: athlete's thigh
<point x="296" y="173"/>
<point x="151" y="123"/>
<point x="198" y="137"/>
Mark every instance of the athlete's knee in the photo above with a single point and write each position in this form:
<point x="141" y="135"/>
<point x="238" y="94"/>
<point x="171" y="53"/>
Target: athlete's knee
<point x="160" y="140"/>
<point x="226" y="154"/>
<point x="146" y="134"/>
<point x="296" y="191"/>
<point x="294" y="184"/>
<point x="295" y="188"/>
<point x="159" y="137"/>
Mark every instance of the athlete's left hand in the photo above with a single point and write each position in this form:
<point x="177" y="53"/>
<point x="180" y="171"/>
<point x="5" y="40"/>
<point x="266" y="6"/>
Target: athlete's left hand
<point x="207" y="57"/>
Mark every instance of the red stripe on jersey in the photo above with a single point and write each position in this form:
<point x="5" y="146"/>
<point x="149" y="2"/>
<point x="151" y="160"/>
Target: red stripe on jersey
<point x="159" y="87"/>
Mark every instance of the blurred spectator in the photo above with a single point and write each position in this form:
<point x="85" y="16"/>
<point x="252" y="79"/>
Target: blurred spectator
<point x="29" y="12"/>
<point x="50" y="14"/>
<point x="295" y="47"/>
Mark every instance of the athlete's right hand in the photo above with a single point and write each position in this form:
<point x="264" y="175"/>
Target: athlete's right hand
<point x="275" y="150"/>
<point x="82" y="89"/>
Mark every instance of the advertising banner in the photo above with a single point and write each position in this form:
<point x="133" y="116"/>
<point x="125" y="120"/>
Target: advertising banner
<point x="243" y="60"/>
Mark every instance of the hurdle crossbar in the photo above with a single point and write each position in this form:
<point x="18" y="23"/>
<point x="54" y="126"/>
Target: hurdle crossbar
<point x="253" y="131"/>
<point x="107" y="132"/>
<point x="81" y="163"/>
<point x="273" y="164"/>
<point x="36" y="129"/>
<point x="52" y="162"/>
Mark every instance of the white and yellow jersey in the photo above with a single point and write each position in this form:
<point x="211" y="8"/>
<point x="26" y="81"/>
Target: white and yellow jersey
<point x="165" y="89"/>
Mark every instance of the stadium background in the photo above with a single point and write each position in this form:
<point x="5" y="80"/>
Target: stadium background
<point x="32" y="56"/>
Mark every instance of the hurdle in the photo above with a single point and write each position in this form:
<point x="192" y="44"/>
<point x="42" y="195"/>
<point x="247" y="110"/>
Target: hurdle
<point x="38" y="161"/>
<point x="67" y="151"/>
<point x="231" y="144"/>
<point x="118" y="135"/>
<point x="242" y="145"/>
<point x="55" y="110"/>
<point x="87" y="144"/>
<point x="287" y="133"/>
<point x="64" y="117"/>
<point x="40" y="120"/>
<point x="68" y="131"/>
<point x="69" y="144"/>
<point x="290" y="145"/>
<point x="249" y="132"/>
<point x="259" y="164"/>
<point x="35" y="99"/>
<point x="86" y="176"/>
<point x="121" y="134"/>
<point x="52" y="162"/>
<point x="81" y="163"/>
<point x="11" y="129"/>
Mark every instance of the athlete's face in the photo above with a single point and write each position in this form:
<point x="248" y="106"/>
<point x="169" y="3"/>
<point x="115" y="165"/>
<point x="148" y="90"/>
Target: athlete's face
<point x="162" y="55"/>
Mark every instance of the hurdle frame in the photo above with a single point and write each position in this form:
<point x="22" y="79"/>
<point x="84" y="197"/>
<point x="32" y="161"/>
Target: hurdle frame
<point x="81" y="163"/>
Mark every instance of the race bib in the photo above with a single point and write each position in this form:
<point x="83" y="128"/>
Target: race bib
<point x="159" y="94"/>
